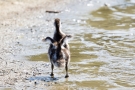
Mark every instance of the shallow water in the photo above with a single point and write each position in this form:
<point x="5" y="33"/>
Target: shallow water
<point x="102" y="49"/>
<point x="113" y="18"/>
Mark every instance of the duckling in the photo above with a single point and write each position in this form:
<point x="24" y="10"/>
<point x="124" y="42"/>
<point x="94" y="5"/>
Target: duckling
<point x="59" y="55"/>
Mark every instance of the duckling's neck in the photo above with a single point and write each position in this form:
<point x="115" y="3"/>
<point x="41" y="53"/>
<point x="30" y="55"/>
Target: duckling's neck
<point x="58" y="32"/>
<point x="57" y="27"/>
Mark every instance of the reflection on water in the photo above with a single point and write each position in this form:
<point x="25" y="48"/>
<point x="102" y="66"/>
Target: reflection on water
<point x="116" y="45"/>
<point x="40" y="57"/>
<point x="113" y="18"/>
<point x="105" y="58"/>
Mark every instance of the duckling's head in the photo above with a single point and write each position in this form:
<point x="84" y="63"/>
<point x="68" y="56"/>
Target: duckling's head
<point x="57" y="23"/>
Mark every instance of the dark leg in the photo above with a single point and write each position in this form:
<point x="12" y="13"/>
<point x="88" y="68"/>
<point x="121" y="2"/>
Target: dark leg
<point x="52" y="67"/>
<point x="66" y="68"/>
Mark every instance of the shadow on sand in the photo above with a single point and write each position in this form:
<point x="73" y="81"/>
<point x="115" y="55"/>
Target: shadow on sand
<point x="43" y="78"/>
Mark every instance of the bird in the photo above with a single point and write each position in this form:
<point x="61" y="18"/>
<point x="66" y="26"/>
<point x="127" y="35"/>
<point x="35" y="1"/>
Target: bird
<point x="59" y="51"/>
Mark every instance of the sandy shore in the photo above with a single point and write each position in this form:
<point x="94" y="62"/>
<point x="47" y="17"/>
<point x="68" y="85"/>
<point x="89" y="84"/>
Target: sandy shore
<point x="16" y="14"/>
<point x="10" y="9"/>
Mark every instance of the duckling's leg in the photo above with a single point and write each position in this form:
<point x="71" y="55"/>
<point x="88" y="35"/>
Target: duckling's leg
<point x="66" y="68"/>
<point x="52" y="67"/>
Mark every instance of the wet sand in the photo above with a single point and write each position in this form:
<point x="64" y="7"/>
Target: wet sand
<point x="16" y="14"/>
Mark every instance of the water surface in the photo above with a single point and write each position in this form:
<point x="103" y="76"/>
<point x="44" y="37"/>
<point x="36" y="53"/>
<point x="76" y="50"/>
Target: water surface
<point x="102" y="49"/>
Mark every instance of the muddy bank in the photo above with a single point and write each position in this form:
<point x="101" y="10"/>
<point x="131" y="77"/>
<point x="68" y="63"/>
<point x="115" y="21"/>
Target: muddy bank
<point x="22" y="29"/>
